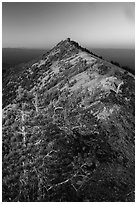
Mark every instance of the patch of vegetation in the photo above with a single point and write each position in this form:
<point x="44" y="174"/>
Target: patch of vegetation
<point x="103" y="69"/>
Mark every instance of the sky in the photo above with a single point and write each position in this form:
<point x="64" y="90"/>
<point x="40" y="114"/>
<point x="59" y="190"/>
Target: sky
<point x="43" y="25"/>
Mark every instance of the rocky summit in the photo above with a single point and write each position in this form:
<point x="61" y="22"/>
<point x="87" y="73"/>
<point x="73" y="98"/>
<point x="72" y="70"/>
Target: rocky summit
<point x="68" y="129"/>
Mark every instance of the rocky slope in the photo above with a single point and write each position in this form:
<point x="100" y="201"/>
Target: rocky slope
<point x="68" y="129"/>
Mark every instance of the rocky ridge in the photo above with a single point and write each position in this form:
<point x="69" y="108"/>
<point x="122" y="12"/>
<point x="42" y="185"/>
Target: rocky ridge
<point x="68" y="129"/>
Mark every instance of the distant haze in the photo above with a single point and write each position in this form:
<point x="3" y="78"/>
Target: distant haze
<point x="12" y="56"/>
<point x="125" y="57"/>
<point x="43" y="25"/>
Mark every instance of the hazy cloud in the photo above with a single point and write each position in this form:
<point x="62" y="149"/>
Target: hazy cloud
<point x="42" y="25"/>
<point x="130" y="11"/>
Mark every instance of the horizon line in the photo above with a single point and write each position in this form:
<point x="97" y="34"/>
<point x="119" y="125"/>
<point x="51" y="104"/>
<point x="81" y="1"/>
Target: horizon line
<point x="29" y="48"/>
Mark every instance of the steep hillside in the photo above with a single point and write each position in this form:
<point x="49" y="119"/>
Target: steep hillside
<point x="68" y="129"/>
